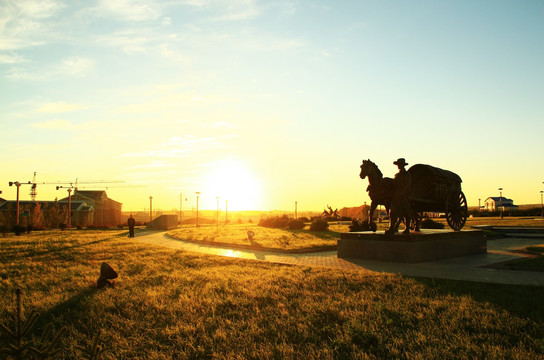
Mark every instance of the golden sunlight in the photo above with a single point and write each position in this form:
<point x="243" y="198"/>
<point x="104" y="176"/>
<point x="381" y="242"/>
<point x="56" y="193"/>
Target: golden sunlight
<point x="235" y="182"/>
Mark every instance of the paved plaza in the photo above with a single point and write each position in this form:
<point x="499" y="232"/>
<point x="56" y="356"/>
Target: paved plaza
<point x="472" y="268"/>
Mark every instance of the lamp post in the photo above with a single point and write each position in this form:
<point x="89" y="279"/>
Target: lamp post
<point x="217" y="212"/>
<point x="18" y="184"/>
<point x="69" y="215"/>
<point x="500" y="203"/>
<point x="197" y="194"/>
<point x="150" y="208"/>
<point x="226" y="211"/>
<point x="296" y="204"/>
<point x="181" y="209"/>
<point x="541" y="203"/>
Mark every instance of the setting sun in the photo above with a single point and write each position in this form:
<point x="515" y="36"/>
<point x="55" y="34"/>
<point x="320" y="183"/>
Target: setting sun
<point x="233" y="180"/>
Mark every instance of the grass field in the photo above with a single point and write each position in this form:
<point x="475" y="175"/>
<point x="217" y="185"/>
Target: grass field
<point x="264" y="237"/>
<point x="170" y="304"/>
<point x="283" y="239"/>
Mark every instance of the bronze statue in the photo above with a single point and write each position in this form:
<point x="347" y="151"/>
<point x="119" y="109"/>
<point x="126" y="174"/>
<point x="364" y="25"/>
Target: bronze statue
<point x="400" y="203"/>
<point x="422" y="188"/>
<point x="332" y="214"/>
<point x="379" y="189"/>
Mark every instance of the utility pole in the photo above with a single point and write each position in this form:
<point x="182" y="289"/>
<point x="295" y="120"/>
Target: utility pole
<point x="226" y="211"/>
<point x="296" y="205"/>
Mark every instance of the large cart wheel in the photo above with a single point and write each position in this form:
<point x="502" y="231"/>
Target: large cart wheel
<point x="456" y="210"/>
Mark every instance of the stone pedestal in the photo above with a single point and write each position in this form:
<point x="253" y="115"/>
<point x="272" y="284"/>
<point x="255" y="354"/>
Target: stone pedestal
<point x="426" y="245"/>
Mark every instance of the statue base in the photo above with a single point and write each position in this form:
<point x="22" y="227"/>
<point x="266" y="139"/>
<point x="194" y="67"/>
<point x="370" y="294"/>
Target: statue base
<point x="426" y="245"/>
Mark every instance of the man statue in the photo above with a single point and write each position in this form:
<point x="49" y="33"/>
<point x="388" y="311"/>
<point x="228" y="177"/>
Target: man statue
<point x="131" y="223"/>
<point x="400" y="204"/>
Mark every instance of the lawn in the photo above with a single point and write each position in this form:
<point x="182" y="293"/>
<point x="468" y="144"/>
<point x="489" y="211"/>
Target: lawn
<point x="171" y="304"/>
<point x="284" y="239"/>
<point x="279" y="239"/>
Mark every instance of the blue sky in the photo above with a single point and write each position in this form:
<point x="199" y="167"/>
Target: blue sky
<point x="265" y="103"/>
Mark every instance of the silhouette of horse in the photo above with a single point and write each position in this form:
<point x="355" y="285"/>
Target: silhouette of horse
<point x="379" y="189"/>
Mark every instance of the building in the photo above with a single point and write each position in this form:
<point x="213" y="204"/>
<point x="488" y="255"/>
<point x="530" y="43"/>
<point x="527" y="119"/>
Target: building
<point x="107" y="212"/>
<point x="495" y="203"/>
<point x="45" y="213"/>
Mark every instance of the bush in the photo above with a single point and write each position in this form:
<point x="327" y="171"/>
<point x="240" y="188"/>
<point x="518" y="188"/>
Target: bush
<point x="319" y="225"/>
<point x="359" y="226"/>
<point x="295" y="224"/>
<point x="18" y="229"/>
<point x="275" y="222"/>
<point x="431" y="224"/>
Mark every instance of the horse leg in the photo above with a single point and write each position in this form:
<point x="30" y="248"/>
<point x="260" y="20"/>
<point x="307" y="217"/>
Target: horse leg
<point x="371" y="224"/>
<point x="393" y="219"/>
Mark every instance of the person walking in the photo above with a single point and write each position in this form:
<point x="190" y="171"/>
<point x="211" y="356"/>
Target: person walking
<point x="131" y="223"/>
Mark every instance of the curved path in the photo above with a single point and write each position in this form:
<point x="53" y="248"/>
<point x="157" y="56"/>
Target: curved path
<point x="473" y="268"/>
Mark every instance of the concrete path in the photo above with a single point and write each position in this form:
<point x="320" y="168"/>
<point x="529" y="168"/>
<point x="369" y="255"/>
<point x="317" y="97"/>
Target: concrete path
<point x="471" y="268"/>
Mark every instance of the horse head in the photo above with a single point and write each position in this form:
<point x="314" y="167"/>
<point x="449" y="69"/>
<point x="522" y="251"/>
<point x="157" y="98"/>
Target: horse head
<point x="366" y="169"/>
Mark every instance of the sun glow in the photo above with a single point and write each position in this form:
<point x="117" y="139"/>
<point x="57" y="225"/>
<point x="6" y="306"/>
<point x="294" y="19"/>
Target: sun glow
<point x="235" y="182"/>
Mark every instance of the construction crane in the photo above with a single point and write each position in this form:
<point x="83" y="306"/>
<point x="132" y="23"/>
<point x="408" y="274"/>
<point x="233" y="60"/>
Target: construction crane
<point x="33" y="188"/>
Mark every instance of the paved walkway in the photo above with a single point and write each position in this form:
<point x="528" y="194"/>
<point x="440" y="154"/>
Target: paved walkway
<point x="472" y="268"/>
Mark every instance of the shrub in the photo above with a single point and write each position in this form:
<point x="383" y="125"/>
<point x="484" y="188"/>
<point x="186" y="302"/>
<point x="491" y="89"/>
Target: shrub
<point x="18" y="229"/>
<point x="359" y="226"/>
<point x="431" y="224"/>
<point x="319" y="225"/>
<point x="295" y="224"/>
<point x="276" y="222"/>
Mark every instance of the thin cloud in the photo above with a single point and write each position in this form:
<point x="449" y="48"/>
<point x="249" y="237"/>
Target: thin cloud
<point x="60" y="107"/>
<point x="25" y="23"/>
<point x="12" y="58"/>
<point x="53" y="124"/>
<point x="176" y="147"/>
<point x="129" y="10"/>
<point x="71" y="66"/>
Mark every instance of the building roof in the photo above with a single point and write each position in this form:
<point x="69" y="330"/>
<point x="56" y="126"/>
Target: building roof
<point x="93" y="195"/>
<point x="498" y="199"/>
<point x="76" y="205"/>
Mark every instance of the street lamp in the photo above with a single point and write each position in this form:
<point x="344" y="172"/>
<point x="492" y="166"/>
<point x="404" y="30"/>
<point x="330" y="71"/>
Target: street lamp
<point x="217" y="212"/>
<point x="296" y="204"/>
<point x="541" y="203"/>
<point x="197" y="194"/>
<point x="69" y="215"/>
<point x="18" y="184"/>
<point x="500" y="203"/>
<point x="181" y="208"/>
<point x="150" y="208"/>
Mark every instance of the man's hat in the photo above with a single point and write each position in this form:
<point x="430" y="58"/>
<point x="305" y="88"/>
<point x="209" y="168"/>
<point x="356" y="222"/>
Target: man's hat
<point x="400" y="162"/>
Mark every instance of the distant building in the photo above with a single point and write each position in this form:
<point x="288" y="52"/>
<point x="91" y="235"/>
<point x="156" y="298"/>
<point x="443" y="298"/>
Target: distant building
<point x="106" y="210"/>
<point x="495" y="203"/>
<point x="50" y="213"/>
<point x="87" y="208"/>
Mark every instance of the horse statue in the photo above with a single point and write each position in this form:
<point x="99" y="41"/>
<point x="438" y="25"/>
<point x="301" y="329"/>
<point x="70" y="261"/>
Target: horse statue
<point x="380" y="190"/>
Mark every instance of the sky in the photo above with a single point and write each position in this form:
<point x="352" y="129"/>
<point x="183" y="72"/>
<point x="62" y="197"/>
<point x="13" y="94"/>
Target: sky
<point x="267" y="103"/>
